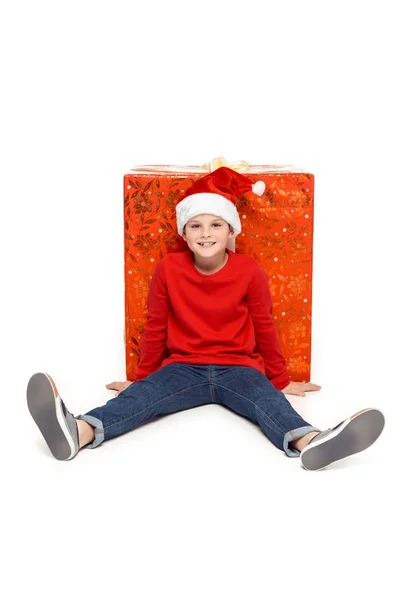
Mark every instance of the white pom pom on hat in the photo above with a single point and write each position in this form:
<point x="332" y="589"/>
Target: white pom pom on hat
<point x="258" y="188"/>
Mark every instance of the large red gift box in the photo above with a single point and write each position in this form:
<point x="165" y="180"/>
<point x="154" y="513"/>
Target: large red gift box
<point x="277" y="230"/>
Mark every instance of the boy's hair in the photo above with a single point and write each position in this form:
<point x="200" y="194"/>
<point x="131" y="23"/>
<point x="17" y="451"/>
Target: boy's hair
<point x="230" y="227"/>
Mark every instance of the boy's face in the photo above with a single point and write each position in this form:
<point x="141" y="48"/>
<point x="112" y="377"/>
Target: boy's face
<point x="207" y="235"/>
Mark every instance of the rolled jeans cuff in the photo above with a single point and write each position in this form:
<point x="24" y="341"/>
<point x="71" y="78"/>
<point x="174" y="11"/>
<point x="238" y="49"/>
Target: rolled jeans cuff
<point x="98" y="429"/>
<point x="296" y="434"/>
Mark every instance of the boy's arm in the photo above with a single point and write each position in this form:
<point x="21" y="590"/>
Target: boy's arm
<point x="260" y="307"/>
<point x="154" y="341"/>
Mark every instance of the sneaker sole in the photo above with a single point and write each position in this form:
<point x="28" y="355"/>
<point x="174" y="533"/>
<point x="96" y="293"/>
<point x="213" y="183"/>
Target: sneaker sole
<point x="44" y="404"/>
<point x="355" y="435"/>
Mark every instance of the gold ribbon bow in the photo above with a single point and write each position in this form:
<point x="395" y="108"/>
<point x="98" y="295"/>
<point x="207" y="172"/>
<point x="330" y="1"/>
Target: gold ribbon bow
<point x="216" y="163"/>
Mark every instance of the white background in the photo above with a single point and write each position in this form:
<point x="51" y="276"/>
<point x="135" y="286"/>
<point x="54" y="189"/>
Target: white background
<point x="198" y="504"/>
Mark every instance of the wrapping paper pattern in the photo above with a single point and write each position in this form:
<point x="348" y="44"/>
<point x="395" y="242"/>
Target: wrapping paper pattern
<point x="277" y="230"/>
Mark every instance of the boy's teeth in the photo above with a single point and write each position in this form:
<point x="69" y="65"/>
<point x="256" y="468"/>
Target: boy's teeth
<point x="206" y="243"/>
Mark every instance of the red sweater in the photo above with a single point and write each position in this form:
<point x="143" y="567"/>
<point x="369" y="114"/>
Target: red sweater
<point x="221" y="319"/>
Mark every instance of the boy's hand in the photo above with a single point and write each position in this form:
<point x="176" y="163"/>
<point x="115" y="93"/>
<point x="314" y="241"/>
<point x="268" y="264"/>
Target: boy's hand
<point x="120" y="386"/>
<point x="297" y="388"/>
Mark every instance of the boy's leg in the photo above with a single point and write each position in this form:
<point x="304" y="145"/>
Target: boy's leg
<point x="249" y="393"/>
<point x="171" y="389"/>
<point x="85" y="433"/>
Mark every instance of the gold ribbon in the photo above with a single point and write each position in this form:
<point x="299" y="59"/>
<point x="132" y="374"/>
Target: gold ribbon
<point x="216" y="163"/>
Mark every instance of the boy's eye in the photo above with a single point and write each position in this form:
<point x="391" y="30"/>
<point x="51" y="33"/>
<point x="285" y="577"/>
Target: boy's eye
<point x="197" y="225"/>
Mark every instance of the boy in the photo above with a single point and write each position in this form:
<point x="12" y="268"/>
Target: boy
<point x="209" y="338"/>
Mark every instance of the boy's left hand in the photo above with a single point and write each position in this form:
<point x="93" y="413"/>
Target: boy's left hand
<point x="297" y="388"/>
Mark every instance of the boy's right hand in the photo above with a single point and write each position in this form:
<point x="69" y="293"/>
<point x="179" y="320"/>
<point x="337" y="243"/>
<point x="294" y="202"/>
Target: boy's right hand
<point x="120" y="386"/>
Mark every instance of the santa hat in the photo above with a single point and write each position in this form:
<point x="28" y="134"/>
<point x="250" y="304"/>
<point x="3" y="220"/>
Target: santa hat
<point x="215" y="194"/>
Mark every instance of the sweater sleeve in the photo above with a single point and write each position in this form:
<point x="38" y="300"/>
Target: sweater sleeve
<point x="154" y="341"/>
<point x="260" y="307"/>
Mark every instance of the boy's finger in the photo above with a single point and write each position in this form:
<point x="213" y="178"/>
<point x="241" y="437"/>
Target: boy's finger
<point x="312" y="386"/>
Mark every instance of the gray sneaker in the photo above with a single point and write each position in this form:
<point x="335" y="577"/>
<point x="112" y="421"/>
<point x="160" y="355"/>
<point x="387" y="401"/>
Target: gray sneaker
<point x="50" y="414"/>
<point x="349" y="437"/>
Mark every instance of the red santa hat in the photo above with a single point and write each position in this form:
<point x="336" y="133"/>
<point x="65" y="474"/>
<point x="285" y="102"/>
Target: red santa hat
<point x="215" y="194"/>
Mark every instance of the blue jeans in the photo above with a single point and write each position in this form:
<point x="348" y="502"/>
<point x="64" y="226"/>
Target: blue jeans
<point x="181" y="386"/>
